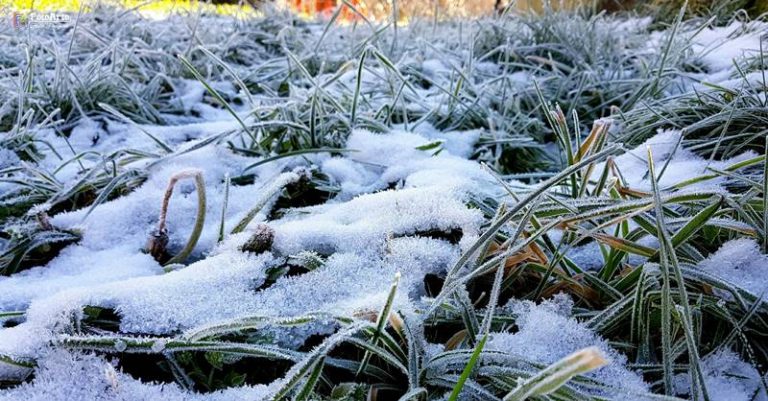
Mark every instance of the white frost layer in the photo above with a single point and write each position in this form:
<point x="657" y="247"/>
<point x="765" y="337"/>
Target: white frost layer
<point x="72" y="376"/>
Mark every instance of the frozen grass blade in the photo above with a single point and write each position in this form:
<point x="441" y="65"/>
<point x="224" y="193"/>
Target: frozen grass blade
<point x="267" y="194"/>
<point x="295" y="153"/>
<point x="669" y="260"/>
<point x="108" y="189"/>
<point x="227" y="183"/>
<point x="304" y="367"/>
<point x="214" y="93"/>
<point x="16" y="362"/>
<point x="667" y="49"/>
<point x="358" y="85"/>
<point x="557" y="374"/>
<point x="232" y="73"/>
<point x="120" y="344"/>
<point x="381" y="321"/>
<point x="468" y="369"/>
<point x="306" y="391"/>
<point x="765" y="197"/>
<point x="111" y="110"/>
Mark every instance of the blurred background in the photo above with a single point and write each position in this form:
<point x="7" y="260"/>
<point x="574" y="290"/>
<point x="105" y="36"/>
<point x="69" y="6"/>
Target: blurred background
<point x="404" y="9"/>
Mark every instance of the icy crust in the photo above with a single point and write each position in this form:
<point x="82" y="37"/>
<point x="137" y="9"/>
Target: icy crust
<point x="546" y="333"/>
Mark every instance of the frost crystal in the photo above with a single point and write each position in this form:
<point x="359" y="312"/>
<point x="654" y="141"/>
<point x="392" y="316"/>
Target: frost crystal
<point x="121" y="345"/>
<point x="159" y="345"/>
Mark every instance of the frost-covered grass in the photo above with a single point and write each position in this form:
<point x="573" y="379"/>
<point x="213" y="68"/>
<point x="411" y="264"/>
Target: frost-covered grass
<point x="559" y="207"/>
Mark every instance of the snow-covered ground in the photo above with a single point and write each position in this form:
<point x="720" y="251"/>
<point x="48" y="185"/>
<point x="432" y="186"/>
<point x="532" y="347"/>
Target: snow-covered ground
<point x="398" y="194"/>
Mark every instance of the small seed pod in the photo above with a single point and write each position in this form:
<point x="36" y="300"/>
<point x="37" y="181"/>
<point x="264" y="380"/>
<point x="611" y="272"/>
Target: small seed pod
<point x="261" y="239"/>
<point x="157" y="245"/>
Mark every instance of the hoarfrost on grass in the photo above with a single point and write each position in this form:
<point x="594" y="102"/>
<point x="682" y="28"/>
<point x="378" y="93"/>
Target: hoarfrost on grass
<point x="402" y="195"/>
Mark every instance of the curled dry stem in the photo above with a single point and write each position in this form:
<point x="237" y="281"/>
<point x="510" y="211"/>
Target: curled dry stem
<point x="159" y="240"/>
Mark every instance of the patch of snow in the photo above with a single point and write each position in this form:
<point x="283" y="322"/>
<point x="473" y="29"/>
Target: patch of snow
<point x="368" y="239"/>
<point x="116" y="232"/>
<point x="718" y="47"/>
<point x="546" y="333"/>
<point x="727" y="377"/>
<point x="739" y="262"/>
<point x="682" y="164"/>
<point x="363" y="224"/>
<point x="75" y="267"/>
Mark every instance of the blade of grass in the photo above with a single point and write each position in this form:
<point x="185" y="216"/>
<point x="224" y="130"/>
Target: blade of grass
<point x="214" y="93"/>
<point x="669" y="260"/>
<point x="468" y="369"/>
<point x="556" y="375"/>
<point x="381" y="321"/>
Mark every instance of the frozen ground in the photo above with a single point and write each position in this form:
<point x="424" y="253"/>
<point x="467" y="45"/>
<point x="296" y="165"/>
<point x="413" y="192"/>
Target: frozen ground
<point x="392" y="176"/>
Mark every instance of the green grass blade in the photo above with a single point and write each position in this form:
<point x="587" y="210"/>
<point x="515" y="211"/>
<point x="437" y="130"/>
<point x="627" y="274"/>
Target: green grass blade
<point x="468" y="369"/>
